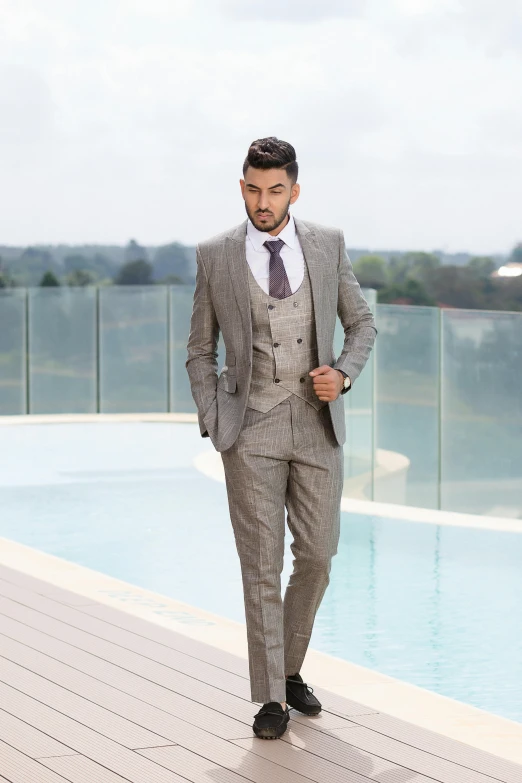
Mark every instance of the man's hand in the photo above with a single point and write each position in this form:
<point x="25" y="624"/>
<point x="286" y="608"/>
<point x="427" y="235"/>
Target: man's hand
<point x="328" y="382"/>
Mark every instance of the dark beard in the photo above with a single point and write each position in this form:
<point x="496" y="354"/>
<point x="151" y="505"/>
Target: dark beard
<point x="272" y="226"/>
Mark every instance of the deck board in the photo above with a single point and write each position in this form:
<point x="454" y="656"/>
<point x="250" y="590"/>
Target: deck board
<point x="91" y="694"/>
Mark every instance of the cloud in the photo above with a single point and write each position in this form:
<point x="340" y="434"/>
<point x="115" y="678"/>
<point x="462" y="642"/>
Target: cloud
<point x="294" y="11"/>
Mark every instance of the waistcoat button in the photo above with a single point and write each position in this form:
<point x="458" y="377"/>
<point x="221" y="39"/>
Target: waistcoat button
<point x="302" y="380"/>
<point x="271" y="307"/>
<point x="299" y="340"/>
<point x="276" y="380"/>
<point x="276" y="345"/>
<point x="296" y="304"/>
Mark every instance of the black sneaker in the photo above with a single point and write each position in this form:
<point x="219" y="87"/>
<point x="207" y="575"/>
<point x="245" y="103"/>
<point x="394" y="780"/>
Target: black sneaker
<point x="271" y="721"/>
<point x="300" y="696"/>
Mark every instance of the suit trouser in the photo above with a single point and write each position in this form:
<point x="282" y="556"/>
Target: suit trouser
<point x="286" y="457"/>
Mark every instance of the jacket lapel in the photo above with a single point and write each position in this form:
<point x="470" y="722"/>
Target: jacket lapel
<point x="238" y="272"/>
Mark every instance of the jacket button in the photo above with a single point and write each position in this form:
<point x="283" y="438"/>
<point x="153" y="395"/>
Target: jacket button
<point x="302" y="380"/>
<point x="299" y="340"/>
<point x="296" y="304"/>
<point x="276" y="380"/>
<point x="271" y="307"/>
<point x="276" y="345"/>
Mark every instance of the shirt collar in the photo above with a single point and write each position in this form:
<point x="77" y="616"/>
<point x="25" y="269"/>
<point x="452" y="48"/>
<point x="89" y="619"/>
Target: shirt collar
<point x="258" y="238"/>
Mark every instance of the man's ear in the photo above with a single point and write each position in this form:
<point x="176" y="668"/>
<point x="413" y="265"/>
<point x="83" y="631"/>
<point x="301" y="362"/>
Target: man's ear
<point x="296" y="190"/>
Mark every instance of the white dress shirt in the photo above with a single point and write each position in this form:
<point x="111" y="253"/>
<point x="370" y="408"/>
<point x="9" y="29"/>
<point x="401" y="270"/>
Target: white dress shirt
<point x="258" y="256"/>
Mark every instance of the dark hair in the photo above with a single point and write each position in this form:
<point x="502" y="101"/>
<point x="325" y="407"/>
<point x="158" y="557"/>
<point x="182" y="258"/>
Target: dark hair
<point x="272" y="153"/>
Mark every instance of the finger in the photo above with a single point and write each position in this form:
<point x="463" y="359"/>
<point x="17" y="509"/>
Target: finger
<point x="324" y="368"/>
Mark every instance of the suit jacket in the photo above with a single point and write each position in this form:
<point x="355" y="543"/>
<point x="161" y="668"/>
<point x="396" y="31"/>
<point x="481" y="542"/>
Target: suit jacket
<point x="222" y="303"/>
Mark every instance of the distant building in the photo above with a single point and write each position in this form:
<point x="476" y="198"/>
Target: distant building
<point x="511" y="269"/>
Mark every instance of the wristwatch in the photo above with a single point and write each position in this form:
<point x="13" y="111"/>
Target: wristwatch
<point x="346" y="383"/>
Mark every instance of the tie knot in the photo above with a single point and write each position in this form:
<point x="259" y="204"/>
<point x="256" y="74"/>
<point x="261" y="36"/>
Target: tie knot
<point x="274" y="246"/>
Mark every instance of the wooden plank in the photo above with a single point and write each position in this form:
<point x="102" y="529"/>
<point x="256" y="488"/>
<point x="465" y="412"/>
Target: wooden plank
<point x="193" y="767"/>
<point x="28" y="740"/>
<point x="80" y="709"/>
<point x="212" y="655"/>
<point x="204" y="673"/>
<point x="83" y="740"/>
<point x="123" y="693"/>
<point x="80" y="769"/>
<point x="129" y="763"/>
<point x="92" y="627"/>
<point x="19" y="768"/>
<point x="43" y="588"/>
<point x="240" y="710"/>
<point x="438" y="745"/>
<point x="326" y="746"/>
<point x="358" y="768"/>
<point x="147" y="681"/>
<point x="337" y="705"/>
<point x="408" y="756"/>
<point x="236" y="759"/>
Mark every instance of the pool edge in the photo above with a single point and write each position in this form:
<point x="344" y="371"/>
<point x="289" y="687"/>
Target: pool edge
<point x="448" y="717"/>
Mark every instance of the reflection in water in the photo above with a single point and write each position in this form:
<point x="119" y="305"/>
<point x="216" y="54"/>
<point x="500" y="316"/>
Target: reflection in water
<point x="432" y="605"/>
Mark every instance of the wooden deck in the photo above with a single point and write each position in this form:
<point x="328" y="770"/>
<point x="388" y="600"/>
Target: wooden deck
<point x="90" y="694"/>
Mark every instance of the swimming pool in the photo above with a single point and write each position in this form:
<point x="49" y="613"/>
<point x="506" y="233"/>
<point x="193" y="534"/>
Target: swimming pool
<point x="433" y="605"/>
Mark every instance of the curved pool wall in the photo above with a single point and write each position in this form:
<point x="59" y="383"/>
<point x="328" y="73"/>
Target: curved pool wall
<point x="432" y="604"/>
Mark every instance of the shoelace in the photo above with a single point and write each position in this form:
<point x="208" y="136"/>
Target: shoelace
<point x="302" y="684"/>
<point x="270" y="712"/>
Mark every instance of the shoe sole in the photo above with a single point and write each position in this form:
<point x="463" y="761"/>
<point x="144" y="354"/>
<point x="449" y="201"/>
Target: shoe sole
<point x="269" y="734"/>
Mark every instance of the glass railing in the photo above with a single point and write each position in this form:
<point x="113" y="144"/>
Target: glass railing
<point x="435" y="419"/>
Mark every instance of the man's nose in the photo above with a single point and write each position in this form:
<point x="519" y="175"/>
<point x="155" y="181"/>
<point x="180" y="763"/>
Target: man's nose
<point x="263" y="202"/>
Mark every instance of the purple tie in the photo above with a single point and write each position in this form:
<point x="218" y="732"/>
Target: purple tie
<point x="279" y="287"/>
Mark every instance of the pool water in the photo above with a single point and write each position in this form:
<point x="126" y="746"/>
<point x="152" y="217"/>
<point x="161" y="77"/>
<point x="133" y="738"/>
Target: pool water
<point x="440" y="607"/>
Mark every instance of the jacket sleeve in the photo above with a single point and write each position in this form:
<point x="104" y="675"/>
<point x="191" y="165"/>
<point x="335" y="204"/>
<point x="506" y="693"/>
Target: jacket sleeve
<point x="202" y="364"/>
<point x="356" y="318"/>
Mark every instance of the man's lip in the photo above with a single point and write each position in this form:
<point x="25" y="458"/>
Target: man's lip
<point x="263" y="216"/>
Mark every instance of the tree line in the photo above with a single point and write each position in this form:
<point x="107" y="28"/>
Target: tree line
<point x="413" y="277"/>
<point x="418" y="278"/>
<point x="136" y="265"/>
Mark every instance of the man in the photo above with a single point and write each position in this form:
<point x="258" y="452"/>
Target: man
<point x="273" y="286"/>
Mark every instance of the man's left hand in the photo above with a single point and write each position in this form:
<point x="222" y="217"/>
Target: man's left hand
<point x="328" y="382"/>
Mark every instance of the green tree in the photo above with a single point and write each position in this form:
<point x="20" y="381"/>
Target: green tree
<point x="482" y="266"/>
<point x="49" y="280"/>
<point x="516" y="254"/>
<point x="171" y="260"/>
<point x="80" y="277"/>
<point x="371" y="271"/>
<point x="412" y="292"/>
<point x="134" y="273"/>
<point x="134" y="252"/>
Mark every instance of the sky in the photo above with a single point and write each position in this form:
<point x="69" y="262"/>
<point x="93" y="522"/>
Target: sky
<point x="132" y="118"/>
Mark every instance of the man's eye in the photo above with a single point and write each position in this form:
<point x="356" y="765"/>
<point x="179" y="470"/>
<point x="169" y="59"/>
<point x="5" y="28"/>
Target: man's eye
<point x="276" y="192"/>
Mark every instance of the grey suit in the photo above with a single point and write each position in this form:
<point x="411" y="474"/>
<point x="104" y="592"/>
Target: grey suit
<point x="221" y="302"/>
<point x="281" y="446"/>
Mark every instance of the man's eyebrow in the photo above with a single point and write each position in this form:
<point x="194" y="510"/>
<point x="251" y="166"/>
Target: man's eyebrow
<point x="279" y="185"/>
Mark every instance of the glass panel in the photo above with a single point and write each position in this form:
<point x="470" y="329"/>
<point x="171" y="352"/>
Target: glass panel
<point x="12" y="352"/>
<point x="181" y="298"/>
<point x="482" y="412"/>
<point x="358" y="403"/>
<point x="62" y="346"/>
<point x="133" y="349"/>
<point x="407" y="406"/>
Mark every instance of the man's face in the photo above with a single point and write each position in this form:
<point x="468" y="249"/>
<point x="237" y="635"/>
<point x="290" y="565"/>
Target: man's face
<point x="268" y="194"/>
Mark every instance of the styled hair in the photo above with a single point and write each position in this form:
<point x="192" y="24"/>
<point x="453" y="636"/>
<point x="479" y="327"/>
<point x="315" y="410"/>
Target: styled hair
<point x="272" y="153"/>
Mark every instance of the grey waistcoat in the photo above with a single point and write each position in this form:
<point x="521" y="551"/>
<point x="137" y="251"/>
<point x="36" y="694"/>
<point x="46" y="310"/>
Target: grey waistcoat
<point x="284" y="346"/>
